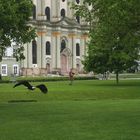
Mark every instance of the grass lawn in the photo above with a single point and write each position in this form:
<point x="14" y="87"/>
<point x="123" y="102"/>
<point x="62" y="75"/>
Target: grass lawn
<point x="87" y="110"/>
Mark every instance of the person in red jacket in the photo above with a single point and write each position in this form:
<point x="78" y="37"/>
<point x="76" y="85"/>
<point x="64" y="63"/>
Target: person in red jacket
<point x="71" y="76"/>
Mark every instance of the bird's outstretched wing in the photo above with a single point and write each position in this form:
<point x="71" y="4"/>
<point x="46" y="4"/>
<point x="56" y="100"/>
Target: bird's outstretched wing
<point x="43" y="88"/>
<point x="25" y="83"/>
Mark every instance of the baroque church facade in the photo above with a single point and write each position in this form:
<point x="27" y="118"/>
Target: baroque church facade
<point x="61" y="39"/>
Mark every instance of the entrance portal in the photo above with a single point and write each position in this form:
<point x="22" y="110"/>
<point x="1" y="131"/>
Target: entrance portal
<point x="64" y="64"/>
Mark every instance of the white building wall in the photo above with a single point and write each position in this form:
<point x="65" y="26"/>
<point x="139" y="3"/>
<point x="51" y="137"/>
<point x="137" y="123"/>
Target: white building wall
<point x="54" y="31"/>
<point x="64" y="5"/>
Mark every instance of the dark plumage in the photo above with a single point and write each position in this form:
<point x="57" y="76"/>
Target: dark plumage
<point x="26" y="84"/>
<point x="42" y="87"/>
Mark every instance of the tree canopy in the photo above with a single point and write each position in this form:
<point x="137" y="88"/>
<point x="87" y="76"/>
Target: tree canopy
<point x="14" y="27"/>
<point x="114" y="34"/>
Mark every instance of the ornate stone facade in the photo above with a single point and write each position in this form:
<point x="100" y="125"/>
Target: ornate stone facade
<point x="61" y="41"/>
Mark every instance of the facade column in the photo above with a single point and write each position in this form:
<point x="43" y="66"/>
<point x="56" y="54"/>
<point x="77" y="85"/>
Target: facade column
<point x="82" y="51"/>
<point x="44" y="52"/>
<point x="83" y="46"/>
<point x="72" y="38"/>
<point x="43" y="49"/>
<point x="27" y="62"/>
<point x="41" y="45"/>
<point x="70" y="57"/>
<point x="39" y="51"/>
<point x="70" y="11"/>
<point x="29" y="55"/>
<point x="53" y="51"/>
<point x="56" y="51"/>
<point x="40" y="10"/>
<point x="55" y="10"/>
<point x="85" y="37"/>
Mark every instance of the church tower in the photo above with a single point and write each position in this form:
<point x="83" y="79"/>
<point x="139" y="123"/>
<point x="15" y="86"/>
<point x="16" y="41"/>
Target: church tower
<point x="61" y="39"/>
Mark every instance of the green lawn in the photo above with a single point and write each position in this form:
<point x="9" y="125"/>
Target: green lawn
<point x="87" y="110"/>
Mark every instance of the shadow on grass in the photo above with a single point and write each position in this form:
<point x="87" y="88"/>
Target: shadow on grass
<point x="19" y="101"/>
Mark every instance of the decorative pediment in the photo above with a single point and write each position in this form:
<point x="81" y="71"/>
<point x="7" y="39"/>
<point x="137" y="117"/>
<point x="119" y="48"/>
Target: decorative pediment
<point x="67" y="22"/>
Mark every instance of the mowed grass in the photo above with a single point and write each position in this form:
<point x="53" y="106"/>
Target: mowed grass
<point x="87" y="110"/>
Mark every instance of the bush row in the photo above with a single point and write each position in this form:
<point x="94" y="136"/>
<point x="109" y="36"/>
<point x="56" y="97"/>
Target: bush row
<point x="45" y="79"/>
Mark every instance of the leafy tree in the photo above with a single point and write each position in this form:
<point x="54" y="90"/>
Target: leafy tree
<point x="14" y="26"/>
<point x="114" y="35"/>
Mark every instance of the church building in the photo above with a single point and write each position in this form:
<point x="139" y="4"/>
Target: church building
<point x="61" y="39"/>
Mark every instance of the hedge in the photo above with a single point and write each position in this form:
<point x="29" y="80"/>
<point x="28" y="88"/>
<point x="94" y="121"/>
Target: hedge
<point x="45" y="79"/>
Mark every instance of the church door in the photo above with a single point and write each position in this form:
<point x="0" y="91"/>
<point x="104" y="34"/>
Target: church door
<point x="64" y="64"/>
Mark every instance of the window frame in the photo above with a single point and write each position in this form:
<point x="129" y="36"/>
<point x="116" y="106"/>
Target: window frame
<point x="34" y="52"/>
<point x="48" y="47"/>
<point x="63" y="12"/>
<point x="48" y="13"/>
<point x="4" y="71"/>
<point x="17" y="69"/>
<point x="77" y="49"/>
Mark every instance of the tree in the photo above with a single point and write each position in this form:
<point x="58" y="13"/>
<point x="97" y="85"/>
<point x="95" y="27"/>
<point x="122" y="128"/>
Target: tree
<point x="114" y="37"/>
<point x="14" y="26"/>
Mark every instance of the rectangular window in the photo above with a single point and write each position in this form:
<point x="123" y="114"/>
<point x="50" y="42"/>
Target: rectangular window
<point x="77" y="49"/>
<point x="48" y="48"/>
<point x="34" y="52"/>
<point x="15" y="69"/>
<point x="4" y="69"/>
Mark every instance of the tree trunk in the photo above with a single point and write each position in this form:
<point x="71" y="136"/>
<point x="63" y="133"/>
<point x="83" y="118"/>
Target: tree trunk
<point x="117" y="77"/>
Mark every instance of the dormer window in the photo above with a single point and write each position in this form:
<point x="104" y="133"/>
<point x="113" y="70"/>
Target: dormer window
<point x="48" y="48"/>
<point x="34" y="12"/>
<point x="78" y="19"/>
<point x="47" y="13"/>
<point x="77" y="49"/>
<point x="77" y="1"/>
<point x="63" y="12"/>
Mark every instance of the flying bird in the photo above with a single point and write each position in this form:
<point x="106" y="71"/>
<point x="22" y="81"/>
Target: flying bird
<point x="42" y="87"/>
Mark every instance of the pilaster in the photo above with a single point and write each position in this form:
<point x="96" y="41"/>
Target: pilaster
<point x="72" y="38"/>
<point x="41" y="56"/>
<point x="55" y="10"/>
<point x="84" y="39"/>
<point x="27" y="62"/>
<point x="70" y="11"/>
<point x="40" y="10"/>
<point x="56" y="51"/>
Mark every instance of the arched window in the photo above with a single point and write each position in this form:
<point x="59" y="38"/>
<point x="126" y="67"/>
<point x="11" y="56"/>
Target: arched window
<point x="34" y="12"/>
<point x="63" y="45"/>
<point x="63" y="12"/>
<point x="34" y="52"/>
<point x="77" y="1"/>
<point x="78" y="19"/>
<point x="77" y="49"/>
<point x="48" y="48"/>
<point x="47" y="13"/>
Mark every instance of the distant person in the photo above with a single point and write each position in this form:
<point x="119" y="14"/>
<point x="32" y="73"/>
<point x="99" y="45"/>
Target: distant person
<point x="71" y="76"/>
